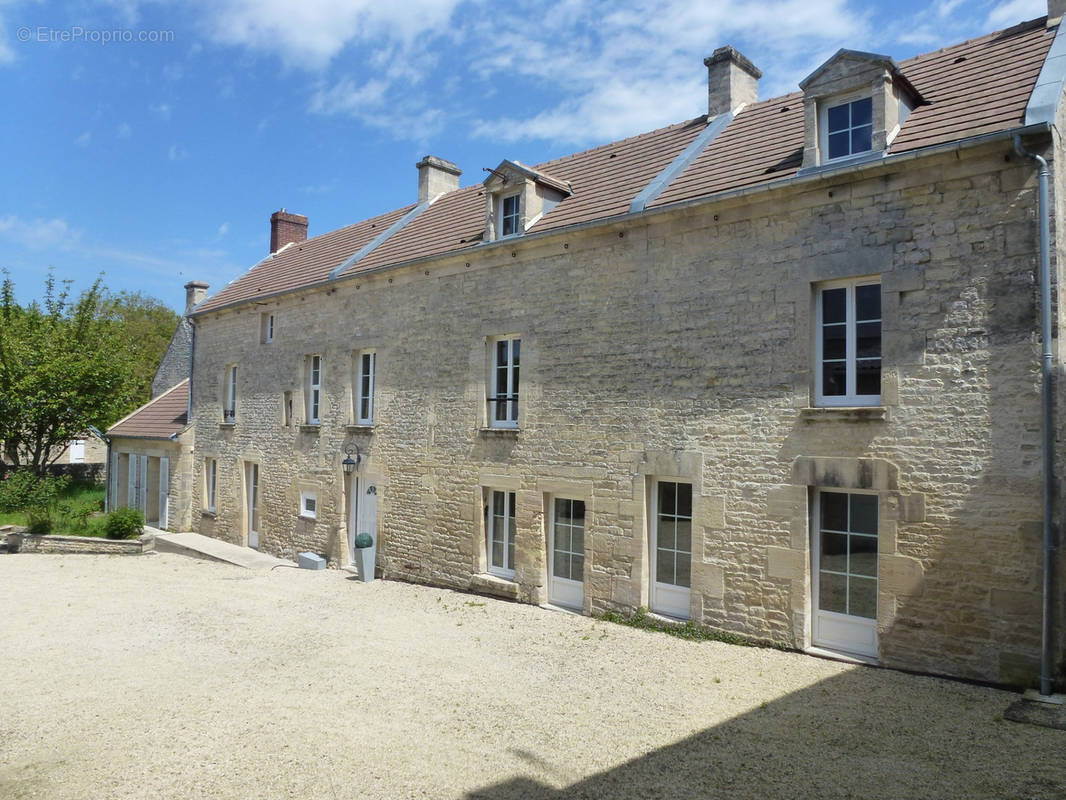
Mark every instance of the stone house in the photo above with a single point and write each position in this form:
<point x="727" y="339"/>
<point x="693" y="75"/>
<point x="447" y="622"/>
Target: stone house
<point x="149" y="462"/>
<point x="776" y="369"/>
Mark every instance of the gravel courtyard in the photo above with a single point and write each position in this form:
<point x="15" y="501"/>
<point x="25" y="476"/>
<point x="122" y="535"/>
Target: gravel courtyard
<point x="167" y="677"/>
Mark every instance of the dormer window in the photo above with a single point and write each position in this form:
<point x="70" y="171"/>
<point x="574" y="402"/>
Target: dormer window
<point x="510" y="218"/>
<point x="849" y="128"/>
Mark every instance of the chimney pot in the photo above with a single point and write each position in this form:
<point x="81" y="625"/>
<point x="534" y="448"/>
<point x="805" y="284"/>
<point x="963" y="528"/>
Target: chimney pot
<point x="286" y="228"/>
<point x="732" y="80"/>
<point x="436" y="177"/>
<point x="195" y="292"/>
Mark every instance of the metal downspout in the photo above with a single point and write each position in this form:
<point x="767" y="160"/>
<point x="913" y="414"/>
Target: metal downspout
<point x="1046" y="667"/>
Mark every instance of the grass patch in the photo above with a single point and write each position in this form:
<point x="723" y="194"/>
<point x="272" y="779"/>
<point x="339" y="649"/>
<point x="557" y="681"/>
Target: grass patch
<point x="73" y="512"/>
<point x="688" y="630"/>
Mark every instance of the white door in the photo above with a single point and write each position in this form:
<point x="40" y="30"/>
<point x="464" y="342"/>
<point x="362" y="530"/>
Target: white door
<point x="77" y="451"/>
<point x="844" y="548"/>
<point x="251" y="503"/>
<point x="671" y="548"/>
<point x="362" y="514"/>
<point x="566" y="548"/>
<point x="164" y="492"/>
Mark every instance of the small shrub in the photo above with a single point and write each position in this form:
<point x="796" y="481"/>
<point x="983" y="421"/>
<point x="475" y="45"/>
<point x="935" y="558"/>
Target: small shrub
<point x="124" y="523"/>
<point x="22" y="490"/>
<point x="39" y="520"/>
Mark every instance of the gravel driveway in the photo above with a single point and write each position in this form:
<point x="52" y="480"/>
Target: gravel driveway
<point x="166" y="677"/>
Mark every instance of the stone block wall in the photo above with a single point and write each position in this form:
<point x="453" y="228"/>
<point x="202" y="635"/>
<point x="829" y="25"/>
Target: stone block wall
<point x="680" y="345"/>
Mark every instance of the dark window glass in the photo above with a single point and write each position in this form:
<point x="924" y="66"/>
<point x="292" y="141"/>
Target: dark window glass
<point x="862" y="599"/>
<point x="867" y="340"/>
<point x="868" y="302"/>
<point x="862" y="112"/>
<point x="833" y="593"/>
<point x="868" y="377"/>
<point x="834" y="376"/>
<point x="834" y="507"/>
<point x="834" y="341"/>
<point x="838" y="118"/>
<point x="863" y="513"/>
<point x="834" y="305"/>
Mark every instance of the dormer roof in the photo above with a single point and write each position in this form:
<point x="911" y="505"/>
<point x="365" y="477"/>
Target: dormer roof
<point x="499" y="177"/>
<point x="871" y="59"/>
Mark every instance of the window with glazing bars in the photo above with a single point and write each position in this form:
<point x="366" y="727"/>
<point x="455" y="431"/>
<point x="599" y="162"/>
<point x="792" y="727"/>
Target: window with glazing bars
<point x="503" y="397"/>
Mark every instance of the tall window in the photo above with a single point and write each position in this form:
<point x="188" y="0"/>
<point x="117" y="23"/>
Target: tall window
<point x="503" y="392"/>
<point x="314" y="389"/>
<point x="364" y="394"/>
<point x="849" y="128"/>
<point x="229" y="410"/>
<point x="266" y="328"/>
<point x="501" y="530"/>
<point x="210" y="480"/>
<point x="847" y="554"/>
<point x="848" y="343"/>
<point x="509" y="217"/>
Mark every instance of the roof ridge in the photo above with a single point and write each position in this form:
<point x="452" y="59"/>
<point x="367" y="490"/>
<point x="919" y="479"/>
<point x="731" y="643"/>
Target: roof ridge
<point x="1017" y="28"/>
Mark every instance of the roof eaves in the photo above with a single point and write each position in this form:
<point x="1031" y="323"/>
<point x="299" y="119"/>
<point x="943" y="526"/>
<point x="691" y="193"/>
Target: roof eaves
<point x="681" y="162"/>
<point x="1047" y="93"/>
<point x="379" y="240"/>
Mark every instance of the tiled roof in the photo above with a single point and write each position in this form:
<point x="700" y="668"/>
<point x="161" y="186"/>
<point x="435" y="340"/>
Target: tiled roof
<point x="161" y="418"/>
<point x="979" y="86"/>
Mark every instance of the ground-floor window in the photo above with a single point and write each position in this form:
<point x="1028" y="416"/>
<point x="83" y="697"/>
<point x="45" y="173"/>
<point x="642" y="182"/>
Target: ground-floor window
<point x="500" y="534"/>
<point x="845" y="530"/>
<point x="671" y="547"/>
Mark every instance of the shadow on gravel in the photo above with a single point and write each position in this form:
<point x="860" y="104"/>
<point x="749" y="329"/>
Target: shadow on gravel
<point x="854" y="735"/>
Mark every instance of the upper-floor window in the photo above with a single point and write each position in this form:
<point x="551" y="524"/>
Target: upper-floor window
<point x="229" y="408"/>
<point x="503" y="383"/>
<point x="510" y="219"/>
<point x="364" y="390"/>
<point x="848" y="129"/>
<point x="848" y="343"/>
<point x="266" y="328"/>
<point x="314" y="389"/>
<point x="308" y="504"/>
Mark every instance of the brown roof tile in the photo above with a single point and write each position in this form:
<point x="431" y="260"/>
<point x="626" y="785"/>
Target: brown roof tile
<point x="160" y="418"/>
<point x="979" y="86"/>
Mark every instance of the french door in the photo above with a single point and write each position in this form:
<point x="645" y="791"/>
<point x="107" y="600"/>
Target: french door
<point x="567" y="553"/>
<point x="844" y="574"/>
<point x="671" y="548"/>
<point x="500" y="530"/>
<point x="251" y="502"/>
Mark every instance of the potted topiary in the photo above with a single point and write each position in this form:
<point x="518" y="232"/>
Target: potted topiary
<point x="364" y="547"/>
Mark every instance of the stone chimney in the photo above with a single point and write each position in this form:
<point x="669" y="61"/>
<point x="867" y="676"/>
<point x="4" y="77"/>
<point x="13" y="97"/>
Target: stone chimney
<point x="1055" y="10"/>
<point x="731" y="81"/>
<point x="286" y="228"/>
<point x="195" y="292"/>
<point x="435" y="177"/>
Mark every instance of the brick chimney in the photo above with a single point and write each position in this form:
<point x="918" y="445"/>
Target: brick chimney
<point x="286" y="228"/>
<point x="1055" y="10"/>
<point x="435" y="177"/>
<point x="195" y="292"/>
<point x="731" y="81"/>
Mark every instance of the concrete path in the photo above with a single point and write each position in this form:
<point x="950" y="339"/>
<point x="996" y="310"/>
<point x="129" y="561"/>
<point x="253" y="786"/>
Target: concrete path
<point x="198" y="546"/>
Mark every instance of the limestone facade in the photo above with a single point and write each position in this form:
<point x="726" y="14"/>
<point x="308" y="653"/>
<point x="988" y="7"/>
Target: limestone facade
<point x="676" y="346"/>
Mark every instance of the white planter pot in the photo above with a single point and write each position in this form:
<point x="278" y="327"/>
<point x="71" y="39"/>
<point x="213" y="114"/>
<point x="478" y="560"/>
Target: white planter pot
<point x="366" y="563"/>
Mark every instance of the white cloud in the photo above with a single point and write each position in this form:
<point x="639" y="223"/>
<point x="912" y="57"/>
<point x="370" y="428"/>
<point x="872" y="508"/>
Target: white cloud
<point x="84" y="139"/>
<point x="173" y="72"/>
<point x="124" y="131"/>
<point x="1013" y="11"/>
<point x="177" y="153"/>
<point x="39" y="234"/>
<point x="161" y="110"/>
<point x="311" y="33"/>
<point x="223" y="229"/>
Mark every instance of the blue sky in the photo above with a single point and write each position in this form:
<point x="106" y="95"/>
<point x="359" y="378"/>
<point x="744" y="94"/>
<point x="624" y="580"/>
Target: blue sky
<point x="160" y="161"/>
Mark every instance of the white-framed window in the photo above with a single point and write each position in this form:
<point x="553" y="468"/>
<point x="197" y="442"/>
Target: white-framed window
<point x="671" y="547"/>
<point x="229" y="408"/>
<point x="510" y="215"/>
<point x="504" y="382"/>
<point x="500" y="531"/>
<point x="314" y="389"/>
<point x="210" y="483"/>
<point x="77" y="451"/>
<point x="365" y="363"/>
<point x="308" y="504"/>
<point x="844" y="551"/>
<point x="848" y="343"/>
<point x="266" y="328"/>
<point x="847" y="128"/>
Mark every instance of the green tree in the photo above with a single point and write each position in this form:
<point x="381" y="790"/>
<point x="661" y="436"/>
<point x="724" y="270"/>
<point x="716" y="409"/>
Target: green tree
<point x="147" y="325"/>
<point x="63" y="367"/>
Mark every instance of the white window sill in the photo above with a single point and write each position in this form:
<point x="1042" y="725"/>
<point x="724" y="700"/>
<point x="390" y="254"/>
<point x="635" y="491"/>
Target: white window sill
<point x="307" y="516"/>
<point x="360" y="427"/>
<point x="495" y="585"/>
<point x="844" y="414"/>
